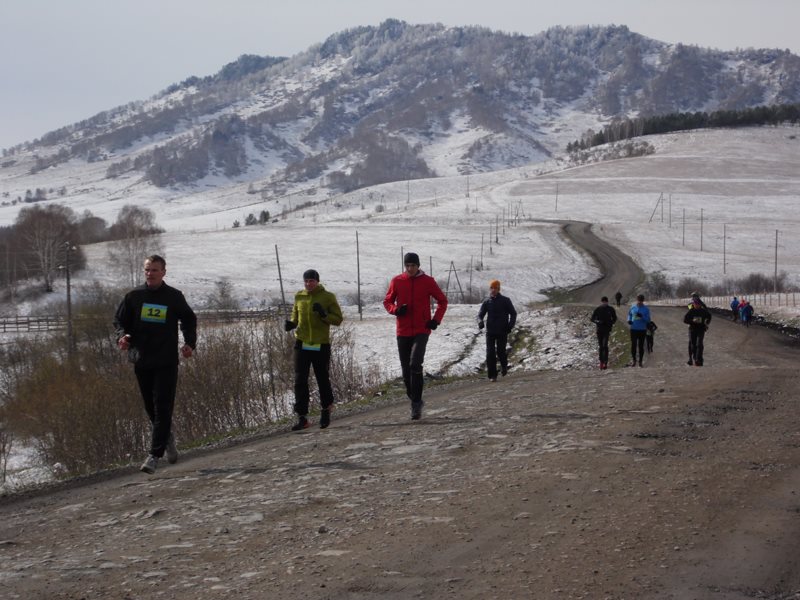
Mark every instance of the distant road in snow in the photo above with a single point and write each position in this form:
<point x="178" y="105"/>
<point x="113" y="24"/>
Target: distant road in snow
<point x="619" y="270"/>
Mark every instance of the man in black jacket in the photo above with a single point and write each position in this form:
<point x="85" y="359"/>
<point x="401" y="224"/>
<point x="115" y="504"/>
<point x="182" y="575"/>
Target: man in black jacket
<point x="500" y="319"/>
<point x="604" y="316"/>
<point x="146" y="322"/>
<point x="697" y="318"/>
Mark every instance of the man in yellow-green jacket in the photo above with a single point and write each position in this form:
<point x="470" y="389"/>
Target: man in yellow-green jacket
<point x="315" y="310"/>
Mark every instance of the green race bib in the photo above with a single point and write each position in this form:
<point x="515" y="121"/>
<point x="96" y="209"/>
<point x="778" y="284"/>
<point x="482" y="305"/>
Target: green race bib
<point x="154" y="313"/>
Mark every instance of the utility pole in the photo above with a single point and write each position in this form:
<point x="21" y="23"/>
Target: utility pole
<point x="683" y="238"/>
<point x="280" y="280"/>
<point x="724" y="243"/>
<point x="358" y="280"/>
<point x="556" y="196"/>
<point x="775" y="284"/>
<point x="70" y="333"/>
<point x="701" y="230"/>
<point x="670" y="211"/>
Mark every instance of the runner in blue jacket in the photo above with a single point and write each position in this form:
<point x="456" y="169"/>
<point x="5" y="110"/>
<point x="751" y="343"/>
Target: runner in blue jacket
<point x="638" y="318"/>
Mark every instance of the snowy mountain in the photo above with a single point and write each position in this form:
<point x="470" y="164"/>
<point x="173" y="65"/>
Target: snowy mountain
<point x="378" y="104"/>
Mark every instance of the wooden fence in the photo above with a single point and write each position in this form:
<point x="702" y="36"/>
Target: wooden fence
<point x="56" y="323"/>
<point x="759" y="301"/>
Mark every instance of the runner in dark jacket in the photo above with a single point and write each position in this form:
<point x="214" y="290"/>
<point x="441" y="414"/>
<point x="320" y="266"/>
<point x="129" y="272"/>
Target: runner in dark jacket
<point x="697" y="318"/>
<point x="146" y="323"/>
<point x="500" y="319"/>
<point x="604" y="316"/>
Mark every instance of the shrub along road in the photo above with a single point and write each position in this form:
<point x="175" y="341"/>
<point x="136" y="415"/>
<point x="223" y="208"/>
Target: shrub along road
<point x="666" y="481"/>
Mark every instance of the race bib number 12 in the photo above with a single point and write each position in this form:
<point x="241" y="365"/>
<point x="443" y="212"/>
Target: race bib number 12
<point x="154" y="313"/>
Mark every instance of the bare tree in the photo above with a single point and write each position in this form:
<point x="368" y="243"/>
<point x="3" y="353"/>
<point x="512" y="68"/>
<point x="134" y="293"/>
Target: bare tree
<point x="135" y="236"/>
<point x="43" y="233"/>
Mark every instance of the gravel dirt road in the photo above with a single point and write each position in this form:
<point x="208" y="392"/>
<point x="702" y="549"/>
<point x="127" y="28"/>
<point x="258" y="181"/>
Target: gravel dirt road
<point x="667" y="482"/>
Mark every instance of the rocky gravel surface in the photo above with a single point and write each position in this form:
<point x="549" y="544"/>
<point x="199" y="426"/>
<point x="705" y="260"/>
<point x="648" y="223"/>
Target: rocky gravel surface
<point x="667" y="481"/>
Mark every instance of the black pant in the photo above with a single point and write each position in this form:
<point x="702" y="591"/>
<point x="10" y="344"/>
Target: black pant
<point x="158" y="392"/>
<point x="303" y="361"/>
<point x="696" y="337"/>
<point x="602" y="343"/>
<point x="412" y="355"/>
<point x="637" y="342"/>
<point x="496" y="349"/>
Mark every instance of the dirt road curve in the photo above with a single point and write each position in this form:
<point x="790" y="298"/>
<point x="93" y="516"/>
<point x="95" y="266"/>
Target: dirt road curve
<point x="619" y="271"/>
<point x="668" y="482"/>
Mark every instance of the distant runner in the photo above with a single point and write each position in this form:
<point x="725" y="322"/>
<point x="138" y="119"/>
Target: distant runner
<point x="604" y="316"/>
<point x="500" y="319"/>
<point x="697" y="318"/>
<point x="638" y="318"/>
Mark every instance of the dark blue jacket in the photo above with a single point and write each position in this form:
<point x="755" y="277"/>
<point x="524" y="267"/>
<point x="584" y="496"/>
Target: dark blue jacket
<point x="500" y="314"/>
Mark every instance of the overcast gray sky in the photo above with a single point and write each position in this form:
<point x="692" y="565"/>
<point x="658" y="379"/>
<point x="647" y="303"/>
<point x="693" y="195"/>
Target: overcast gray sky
<point x="62" y="61"/>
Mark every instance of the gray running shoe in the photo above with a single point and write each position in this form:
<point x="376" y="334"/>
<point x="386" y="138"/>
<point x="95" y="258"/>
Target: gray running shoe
<point x="172" y="450"/>
<point x="149" y="465"/>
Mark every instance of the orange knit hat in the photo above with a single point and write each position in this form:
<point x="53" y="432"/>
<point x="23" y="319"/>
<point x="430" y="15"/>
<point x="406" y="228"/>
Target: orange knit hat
<point x="494" y="284"/>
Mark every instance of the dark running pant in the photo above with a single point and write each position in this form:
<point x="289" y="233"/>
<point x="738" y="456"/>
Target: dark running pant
<point x="412" y="355"/>
<point x="496" y="350"/>
<point x="303" y="361"/>
<point x="637" y="343"/>
<point x="158" y="392"/>
<point x="602" y="343"/>
<point x="696" y="336"/>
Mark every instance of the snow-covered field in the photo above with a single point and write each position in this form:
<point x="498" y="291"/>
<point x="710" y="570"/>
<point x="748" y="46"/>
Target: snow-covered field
<point x="707" y="204"/>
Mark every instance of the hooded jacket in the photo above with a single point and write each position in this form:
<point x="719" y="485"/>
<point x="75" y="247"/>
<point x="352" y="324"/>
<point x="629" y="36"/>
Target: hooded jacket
<point x="415" y="292"/>
<point x="311" y="328"/>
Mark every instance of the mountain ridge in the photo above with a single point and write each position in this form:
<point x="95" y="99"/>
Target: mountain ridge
<point x="394" y="102"/>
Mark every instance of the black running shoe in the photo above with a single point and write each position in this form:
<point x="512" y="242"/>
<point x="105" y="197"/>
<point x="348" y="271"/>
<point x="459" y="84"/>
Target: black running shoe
<point x="325" y="418"/>
<point x="302" y="423"/>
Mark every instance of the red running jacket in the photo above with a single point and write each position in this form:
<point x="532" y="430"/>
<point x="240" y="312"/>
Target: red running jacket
<point x="415" y="292"/>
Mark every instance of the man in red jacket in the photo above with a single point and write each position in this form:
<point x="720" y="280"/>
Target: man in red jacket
<point x="409" y="299"/>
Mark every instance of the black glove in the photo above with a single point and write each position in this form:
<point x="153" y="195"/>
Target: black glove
<point x="480" y="324"/>
<point x="432" y="324"/>
<point x="317" y="308"/>
<point x="289" y="325"/>
<point x="508" y="329"/>
<point x="401" y="310"/>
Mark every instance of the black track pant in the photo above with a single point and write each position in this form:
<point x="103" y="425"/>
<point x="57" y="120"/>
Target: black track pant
<point x="496" y="350"/>
<point x="158" y="392"/>
<point x="602" y="343"/>
<point x="412" y="355"/>
<point x="637" y="343"/>
<point x="303" y="361"/>
<point x="696" y="337"/>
